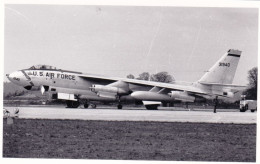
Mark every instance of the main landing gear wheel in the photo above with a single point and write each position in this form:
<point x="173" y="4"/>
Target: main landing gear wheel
<point x="86" y="105"/>
<point x="151" y="107"/>
<point x="119" y="106"/>
<point x="72" y="104"/>
<point x="91" y="105"/>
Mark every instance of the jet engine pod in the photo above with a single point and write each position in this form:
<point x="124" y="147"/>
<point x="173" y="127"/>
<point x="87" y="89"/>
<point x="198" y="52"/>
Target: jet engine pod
<point x="183" y="96"/>
<point x="104" y="88"/>
<point x="150" y="96"/>
<point x="228" y="94"/>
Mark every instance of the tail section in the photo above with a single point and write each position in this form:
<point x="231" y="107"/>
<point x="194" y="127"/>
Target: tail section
<point x="224" y="70"/>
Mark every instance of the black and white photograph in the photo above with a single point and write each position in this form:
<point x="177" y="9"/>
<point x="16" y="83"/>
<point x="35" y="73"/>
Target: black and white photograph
<point x="139" y="82"/>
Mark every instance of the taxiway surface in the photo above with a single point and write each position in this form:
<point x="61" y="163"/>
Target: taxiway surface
<point x="203" y="116"/>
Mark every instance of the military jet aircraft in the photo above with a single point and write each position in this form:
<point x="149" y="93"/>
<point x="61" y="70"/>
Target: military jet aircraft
<point x="76" y="86"/>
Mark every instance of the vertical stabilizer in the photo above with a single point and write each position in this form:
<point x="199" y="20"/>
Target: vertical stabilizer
<point x="224" y="70"/>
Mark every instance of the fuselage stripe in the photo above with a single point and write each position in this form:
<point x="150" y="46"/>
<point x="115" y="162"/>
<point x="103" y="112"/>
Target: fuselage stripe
<point x="29" y="79"/>
<point x="235" y="55"/>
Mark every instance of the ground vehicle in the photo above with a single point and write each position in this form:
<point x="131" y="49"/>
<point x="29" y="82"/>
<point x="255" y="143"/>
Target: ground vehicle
<point x="247" y="104"/>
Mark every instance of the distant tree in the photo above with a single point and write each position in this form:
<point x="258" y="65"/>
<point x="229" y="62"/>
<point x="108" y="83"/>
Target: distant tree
<point x="13" y="89"/>
<point x="8" y="95"/>
<point x="251" y="91"/>
<point x="162" y="77"/>
<point x="130" y="76"/>
<point x="252" y="77"/>
<point x="144" y="76"/>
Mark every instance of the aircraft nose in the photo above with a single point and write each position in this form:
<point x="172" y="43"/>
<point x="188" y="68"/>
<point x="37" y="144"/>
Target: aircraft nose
<point x="18" y="78"/>
<point x="15" y="75"/>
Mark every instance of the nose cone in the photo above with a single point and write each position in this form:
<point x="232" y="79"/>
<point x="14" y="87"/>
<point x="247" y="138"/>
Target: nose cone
<point x="18" y="78"/>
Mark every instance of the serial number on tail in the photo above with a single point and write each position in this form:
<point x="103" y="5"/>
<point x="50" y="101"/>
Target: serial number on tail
<point x="224" y="64"/>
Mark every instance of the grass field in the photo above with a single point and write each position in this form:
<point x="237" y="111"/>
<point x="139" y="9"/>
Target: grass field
<point x="32" y="138"/>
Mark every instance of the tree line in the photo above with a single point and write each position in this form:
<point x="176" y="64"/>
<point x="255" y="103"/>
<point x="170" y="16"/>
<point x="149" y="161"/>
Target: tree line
<point x="163" y="77"/>
<point x="251" y="91"/>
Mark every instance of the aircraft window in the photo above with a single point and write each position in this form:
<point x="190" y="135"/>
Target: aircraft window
<point x="43" y="67"/>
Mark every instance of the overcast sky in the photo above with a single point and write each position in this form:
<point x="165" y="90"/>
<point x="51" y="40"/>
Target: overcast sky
<point x="117" y="41"/>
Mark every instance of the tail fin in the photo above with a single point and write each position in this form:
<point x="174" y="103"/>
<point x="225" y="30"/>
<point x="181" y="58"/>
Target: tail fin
<point x="224" y="70"/>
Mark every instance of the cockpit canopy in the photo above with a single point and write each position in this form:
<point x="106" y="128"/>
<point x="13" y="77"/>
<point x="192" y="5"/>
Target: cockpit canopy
<point x="43" y="67"/>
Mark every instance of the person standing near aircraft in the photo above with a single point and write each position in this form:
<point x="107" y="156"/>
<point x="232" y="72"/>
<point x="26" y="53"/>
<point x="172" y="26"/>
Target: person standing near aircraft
<point x="215" y="104"/>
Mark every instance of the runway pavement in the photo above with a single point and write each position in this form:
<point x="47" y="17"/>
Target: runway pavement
<point x="203" y="116"/>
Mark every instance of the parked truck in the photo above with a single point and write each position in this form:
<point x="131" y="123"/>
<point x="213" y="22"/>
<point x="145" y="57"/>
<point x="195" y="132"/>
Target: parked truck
<point x="247" y="104"/>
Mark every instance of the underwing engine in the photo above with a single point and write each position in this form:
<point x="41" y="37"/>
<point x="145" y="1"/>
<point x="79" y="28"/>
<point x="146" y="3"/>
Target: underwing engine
<point x="115" y="89"/>
<point x="105" y="88"/>
<point x="182" y="96"/>
<point x="228" y="94"/>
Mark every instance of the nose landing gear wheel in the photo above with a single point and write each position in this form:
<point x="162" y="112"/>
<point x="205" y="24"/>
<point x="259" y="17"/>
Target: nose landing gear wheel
<point x="119" y="106"/>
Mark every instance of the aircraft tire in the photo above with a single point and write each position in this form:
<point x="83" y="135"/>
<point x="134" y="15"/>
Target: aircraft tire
<point x="119" y="106"/>
<point x="242" y="110"/>
<point x="72" y="104"/>
<point x="86" y="105"/>
<point x="151" y="107"/>
<point x="252" y="110"/>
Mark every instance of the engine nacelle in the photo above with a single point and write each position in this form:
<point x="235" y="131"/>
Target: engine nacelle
<point x="104" y="88"/>
<point x="200" y="100"/>
<point x="228" y="94"/>
<point x="182" y="96"/>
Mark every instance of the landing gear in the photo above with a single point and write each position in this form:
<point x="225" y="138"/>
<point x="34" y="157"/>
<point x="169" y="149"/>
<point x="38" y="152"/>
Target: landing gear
<point x="119" y="106"/>
<point x="86" y="105"/>
<point x="152" y="107"/>
<point x="72" y="104"/>
<point x="186" y="105"/>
